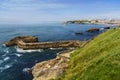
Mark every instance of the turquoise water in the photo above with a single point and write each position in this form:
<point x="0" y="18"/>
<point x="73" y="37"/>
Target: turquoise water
<point x="13" y="63"/>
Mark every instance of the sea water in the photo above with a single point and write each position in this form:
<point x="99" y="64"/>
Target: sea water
<point x="14" y="61"/>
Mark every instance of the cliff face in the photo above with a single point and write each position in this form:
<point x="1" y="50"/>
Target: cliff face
<point x="53" y="68"/>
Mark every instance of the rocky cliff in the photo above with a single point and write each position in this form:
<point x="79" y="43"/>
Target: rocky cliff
<point x="52" y="69"/>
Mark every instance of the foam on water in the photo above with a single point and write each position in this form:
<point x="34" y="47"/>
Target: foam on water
<point x="4" y="55"/>
<point x="6" y="50"/>
<point x="5" y="67"/>
<point x="18" y="55"/>
<point x="28" y="51"/>
<point x="27" y="70"/>
<point x="6" y="58"/>
<point x="4" y="45"/>
<point x="101" y="29"/>
<point x="54" y="48"/>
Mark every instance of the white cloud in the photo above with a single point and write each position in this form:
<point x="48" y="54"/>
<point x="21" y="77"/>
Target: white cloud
<point x="28" y="11"/>
<point x="30" y="4"/>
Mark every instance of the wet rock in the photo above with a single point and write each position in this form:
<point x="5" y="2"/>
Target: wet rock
<point x="106" y="27"/>
<point x="79" y="33"/>
<point x="93" y="30"/>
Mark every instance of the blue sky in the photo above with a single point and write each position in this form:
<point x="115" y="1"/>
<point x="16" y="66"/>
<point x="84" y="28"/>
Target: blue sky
<point x="35" y="11"/>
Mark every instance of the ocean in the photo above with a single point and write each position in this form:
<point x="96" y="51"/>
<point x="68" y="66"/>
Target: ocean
<point x="14" y="61"/>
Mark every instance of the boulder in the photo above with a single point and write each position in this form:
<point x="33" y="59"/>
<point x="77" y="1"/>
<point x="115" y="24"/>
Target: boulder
<point x="93" y="30"/>
<point x="106" y="27"/>
<point x="79" y="33"/>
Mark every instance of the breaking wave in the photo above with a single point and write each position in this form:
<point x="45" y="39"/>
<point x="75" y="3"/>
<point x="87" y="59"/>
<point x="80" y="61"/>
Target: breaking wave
<point x="6" y="50"/>
<point x="27" y="70"/>
<point x="18" y="55"/>
<point x="28" y="51"/>
<point x="55" y="48"/>
<point x="6" y="58"/>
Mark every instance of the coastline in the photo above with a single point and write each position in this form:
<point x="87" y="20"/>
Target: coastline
<point x="97" y="21"/>
<point x="37" y="60"/>
<point x="56" y="66"/>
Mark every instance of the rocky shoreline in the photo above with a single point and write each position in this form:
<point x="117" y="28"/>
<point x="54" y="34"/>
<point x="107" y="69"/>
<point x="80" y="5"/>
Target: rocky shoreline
<point x="52" y="69"/>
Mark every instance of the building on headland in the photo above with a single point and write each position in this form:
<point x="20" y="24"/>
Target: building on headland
<point x="96" y="21"/>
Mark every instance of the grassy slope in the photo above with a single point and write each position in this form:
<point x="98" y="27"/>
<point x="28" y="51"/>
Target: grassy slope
<point x="99" y="60"/>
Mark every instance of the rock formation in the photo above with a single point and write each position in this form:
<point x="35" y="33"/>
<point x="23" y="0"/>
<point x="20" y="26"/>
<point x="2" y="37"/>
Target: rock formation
<point x="27" y="39"/>
<point x="52" y="69"/>
<point x="31" y="42"/>
<point x="45" y="45"/>
<point x="106" y="27"/>
<point x="79" y="33"/>
<point x="93" y="30"/>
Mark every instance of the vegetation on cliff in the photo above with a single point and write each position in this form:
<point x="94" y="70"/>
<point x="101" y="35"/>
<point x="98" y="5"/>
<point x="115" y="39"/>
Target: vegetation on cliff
<point x="98" y="60"/>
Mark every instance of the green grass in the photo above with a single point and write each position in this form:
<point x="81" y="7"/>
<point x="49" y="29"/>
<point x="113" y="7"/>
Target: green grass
<point x="98" y="60"/>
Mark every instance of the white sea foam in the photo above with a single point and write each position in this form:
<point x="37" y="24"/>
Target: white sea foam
<point x="4" y="45"/>
<point x="28" y="51"/>
<point x="55" y="48"/>
<point x="6" y="50"/>
<point x="18" y="55"/>
<point x="26" y="70"/>
<point x="5" y="67"/>
<point x="101" y="29"/>
<point x="6" y="58"/>
<point x="4" y="55"/>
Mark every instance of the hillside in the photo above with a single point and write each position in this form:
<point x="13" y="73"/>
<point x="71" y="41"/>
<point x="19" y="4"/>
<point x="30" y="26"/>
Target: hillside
<point x="98" y="60"/>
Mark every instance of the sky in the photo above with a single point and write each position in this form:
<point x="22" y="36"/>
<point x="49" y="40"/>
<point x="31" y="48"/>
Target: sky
<point x="36" y="11"/>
